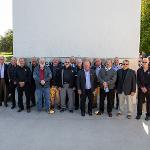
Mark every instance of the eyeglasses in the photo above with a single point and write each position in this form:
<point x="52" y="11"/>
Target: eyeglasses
<point x="67" y="62"/>
<point x="125" y="64"/>
<point x="144" y="62"/>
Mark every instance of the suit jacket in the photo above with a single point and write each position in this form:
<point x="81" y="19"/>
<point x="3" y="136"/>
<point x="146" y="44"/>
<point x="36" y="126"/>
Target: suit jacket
<point x="81" y="80"/>
<point x="128" y="85"/>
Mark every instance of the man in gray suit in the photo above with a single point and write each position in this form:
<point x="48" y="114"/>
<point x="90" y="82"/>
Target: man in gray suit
<point x="126" y="88"/>
<point x="107" y="77"/>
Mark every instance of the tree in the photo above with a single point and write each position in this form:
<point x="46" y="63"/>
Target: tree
<point x="6" y="42"/>
<point x="145" y="27"/>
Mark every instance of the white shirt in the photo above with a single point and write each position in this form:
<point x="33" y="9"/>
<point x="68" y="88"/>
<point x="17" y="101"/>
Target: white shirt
<point x="88" y="80"/>
<point x="2" y="71"/>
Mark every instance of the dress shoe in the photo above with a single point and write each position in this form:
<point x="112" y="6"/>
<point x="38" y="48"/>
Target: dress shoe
<point x="6" y="105"/>
<point x="83" y="114"/>
<point x="98" y="113"/>
<point x="71" y="111"/>
<point x="110" y="114"/>
<point x="62" y="110"/>
<point x="138" y="117"/>
<point x="28" y="110"/>
<point x="20" y="109"/>
<point x="147" y="118"/>
<point x="0" y="104"/>
<point x="90" y="113"/>
<point x="129" y="116"/>
<point x="13" y="106"/>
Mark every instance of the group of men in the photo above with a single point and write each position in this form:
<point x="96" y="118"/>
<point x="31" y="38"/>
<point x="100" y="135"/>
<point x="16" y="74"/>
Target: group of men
<point x="67" y="85"/>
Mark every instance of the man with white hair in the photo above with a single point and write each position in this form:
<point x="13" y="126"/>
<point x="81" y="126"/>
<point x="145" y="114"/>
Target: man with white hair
<point x="42" y="75"/>
<point x="12" y="82"/>
<point x="4" y="82"/>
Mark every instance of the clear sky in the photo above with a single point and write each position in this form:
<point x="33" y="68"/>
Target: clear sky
<point x="5" y="15"/>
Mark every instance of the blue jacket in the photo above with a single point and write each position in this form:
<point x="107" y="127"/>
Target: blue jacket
<point x="47" y="77"/>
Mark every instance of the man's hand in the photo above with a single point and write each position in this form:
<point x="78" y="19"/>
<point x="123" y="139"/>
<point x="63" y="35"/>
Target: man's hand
<point x="21" y="84"/>
<point x="42" y="82"/>
<point x="79" y="92"/>
<point x="94" y="92"/>
<point x="132" y="93"/>
<point x="105" y="84"/>
<point x="59" y="88"/>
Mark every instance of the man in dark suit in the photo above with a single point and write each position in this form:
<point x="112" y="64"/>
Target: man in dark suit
<point x="143" y="82"/>
<point x="86" y="84"/>
<point x="12" y="83"/>
<point x="126" y="88"/>
<point x="4" y="81"/>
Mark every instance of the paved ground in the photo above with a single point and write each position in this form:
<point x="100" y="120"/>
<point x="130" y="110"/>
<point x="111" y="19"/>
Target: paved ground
<point x="65" y="131"/>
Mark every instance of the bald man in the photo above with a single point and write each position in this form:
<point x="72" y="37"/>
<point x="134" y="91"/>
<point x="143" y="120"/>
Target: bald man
<point x="143" y="82"/>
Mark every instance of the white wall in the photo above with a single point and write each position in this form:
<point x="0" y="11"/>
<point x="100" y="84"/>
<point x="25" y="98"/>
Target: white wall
<point x="85" y="28"/>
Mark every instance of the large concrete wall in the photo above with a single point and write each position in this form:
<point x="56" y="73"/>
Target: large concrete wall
<point x="82" y="28"/>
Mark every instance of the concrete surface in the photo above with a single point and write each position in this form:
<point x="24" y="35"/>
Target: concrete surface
<point x="66" y="131"/>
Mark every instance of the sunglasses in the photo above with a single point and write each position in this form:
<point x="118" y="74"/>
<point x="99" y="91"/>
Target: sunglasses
<point x="67" y="62"/>
<point x="144" y="62"/>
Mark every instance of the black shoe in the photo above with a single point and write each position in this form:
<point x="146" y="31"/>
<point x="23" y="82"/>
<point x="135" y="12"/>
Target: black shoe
<point x="76" y="108"/>
<point x="62" y="110"/>
<point x="110" y="114"/>
<point x="82" y="114"/>
<point x="13" y="106"/>
<point x="20" y="109"/>
<point x="147" y="118"/>
<point x="71" y="111"/>
<point x="6" y="105"/>
<point x="0" y="104"/>
<point x="28" y="110"/>
<point x="90" y="113"/>
<point x="138" y="117"/>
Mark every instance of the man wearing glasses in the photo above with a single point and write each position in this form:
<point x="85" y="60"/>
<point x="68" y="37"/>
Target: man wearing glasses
<point x="66" y="86"/>
<point x="4" y="81"/>
<point x="126" y="88"/>
<point x="143" y="82"/>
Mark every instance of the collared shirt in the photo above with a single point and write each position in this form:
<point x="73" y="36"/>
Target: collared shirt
<point x="97" y="70"/>
<point x="88" y="80"/>
<point x="2" y="71"/>
<point x="116" y="67"/>
<point x="107" y="69"/>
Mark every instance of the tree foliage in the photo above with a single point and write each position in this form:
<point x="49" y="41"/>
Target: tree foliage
<point x="6" y="42"/>
<point x="145" y="27"/>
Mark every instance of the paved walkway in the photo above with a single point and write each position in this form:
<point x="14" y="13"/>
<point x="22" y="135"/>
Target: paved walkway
<point x="66" y="131"/>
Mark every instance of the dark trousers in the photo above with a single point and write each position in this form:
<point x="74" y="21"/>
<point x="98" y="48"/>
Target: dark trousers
<point x="76" y="99"/>
<point x="141" y="98"/>
<point x="32" y="92"/>
<point x="89" y="94"/>
<point x="3" y="91"/>
<point x="25" y="89"/>
<point x="109" y="96"/>
<point x="12" y="88"/>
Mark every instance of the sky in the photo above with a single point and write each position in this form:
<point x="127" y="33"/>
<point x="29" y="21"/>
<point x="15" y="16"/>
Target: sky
<point x="5" y="16"/>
